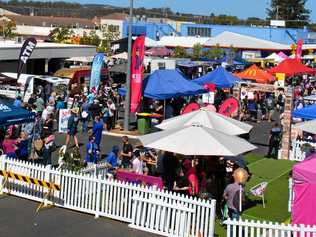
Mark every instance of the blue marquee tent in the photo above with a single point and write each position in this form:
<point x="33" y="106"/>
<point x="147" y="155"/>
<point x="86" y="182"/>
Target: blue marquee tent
<point x="10" y="114"/>
<point x="308" y="112"/>
<point x="166" y="84"/>
<point x="219" y="77"/>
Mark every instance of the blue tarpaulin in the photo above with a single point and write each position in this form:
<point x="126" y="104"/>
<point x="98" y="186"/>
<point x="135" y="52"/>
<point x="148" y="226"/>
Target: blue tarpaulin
<point x="13" y="115"/>
<point x="166" y="84"/>
<point x="219" y="77"/>
<point x="308" y="112"/>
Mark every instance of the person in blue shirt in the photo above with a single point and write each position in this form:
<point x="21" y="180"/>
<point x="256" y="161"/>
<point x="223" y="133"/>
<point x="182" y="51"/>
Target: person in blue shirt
<point x="92" y="151"/>
<point x="112" y="157"/>
<point x="97" y="130"/>
<point x="18" y="102"/>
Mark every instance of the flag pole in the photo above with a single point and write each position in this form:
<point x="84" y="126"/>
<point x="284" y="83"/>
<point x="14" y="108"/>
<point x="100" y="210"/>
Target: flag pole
<point x="128" y="74"/>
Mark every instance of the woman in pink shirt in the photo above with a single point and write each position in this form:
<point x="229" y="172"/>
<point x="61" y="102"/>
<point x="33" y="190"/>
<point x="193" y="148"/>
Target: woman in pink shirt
<point x="9" y="146"/>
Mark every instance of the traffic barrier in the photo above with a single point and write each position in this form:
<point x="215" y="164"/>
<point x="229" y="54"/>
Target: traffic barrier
<point x="29" y="180"/>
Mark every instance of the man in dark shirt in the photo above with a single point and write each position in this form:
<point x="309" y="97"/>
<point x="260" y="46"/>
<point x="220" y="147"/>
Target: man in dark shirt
<point x="127" y="153"/>
<point x="274" y="141"/>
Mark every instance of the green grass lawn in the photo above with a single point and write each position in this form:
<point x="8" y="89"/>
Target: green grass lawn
<point x="275" y="172"/>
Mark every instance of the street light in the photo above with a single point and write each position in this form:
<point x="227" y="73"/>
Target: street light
<point x="128" y="74"/>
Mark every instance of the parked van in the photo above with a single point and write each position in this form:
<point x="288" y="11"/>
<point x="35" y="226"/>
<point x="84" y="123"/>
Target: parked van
<point x="35" y="83"/>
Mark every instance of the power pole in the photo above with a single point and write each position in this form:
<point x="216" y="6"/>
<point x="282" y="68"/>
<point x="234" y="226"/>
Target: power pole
<point x="128" y="74"/>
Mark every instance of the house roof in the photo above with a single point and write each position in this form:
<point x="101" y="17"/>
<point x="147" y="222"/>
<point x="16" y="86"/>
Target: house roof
<point x="182" y="41"/>
<point x="229" y="39"/>
<point x="51" y="21"/>
<point x="115" y="16"/>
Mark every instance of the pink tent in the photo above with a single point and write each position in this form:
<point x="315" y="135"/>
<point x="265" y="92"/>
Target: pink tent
<point x="304" y="204"/>
<point x="282" y="55"/>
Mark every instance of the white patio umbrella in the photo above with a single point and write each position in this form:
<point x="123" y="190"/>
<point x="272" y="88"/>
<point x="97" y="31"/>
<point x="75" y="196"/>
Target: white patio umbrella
<point x="207" y="119"/>
<point x="308" y="126"/>
<point x="196" y="140"/>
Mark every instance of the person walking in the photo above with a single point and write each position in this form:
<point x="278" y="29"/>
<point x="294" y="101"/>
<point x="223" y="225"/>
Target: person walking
<point x="127" y="153"/>
<point x="112" y="112"/>
<point x="72" y="127"/>
<point x="97" y="130"/>
<point x="92" y="151"/>
<point x="274" y="141"/>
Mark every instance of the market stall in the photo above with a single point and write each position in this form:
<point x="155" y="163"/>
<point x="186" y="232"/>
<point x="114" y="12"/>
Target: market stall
<point x="254" y="73"/>
<point x="10" y="115"/>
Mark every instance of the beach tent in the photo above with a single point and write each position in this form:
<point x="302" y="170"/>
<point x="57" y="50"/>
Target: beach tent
<point x="291" y="67"/>
<point x="219" y="77"/>
<point x="304" y="188"/>
<point x="10" y="115"/>
<point x="308" y="112"/>
<point x="166" y="84"/>
<point x="256" y="74"/>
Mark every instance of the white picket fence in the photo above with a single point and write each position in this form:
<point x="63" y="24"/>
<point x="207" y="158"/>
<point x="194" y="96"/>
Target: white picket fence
<point x="245" y="228"/>
<point x="96" y="169"/>
<point x="296" y="153"/>
<point x="114" y="199"/>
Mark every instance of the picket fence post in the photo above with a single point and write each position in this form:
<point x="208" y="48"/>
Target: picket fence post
<point x="212" y="217"/>
<point x="2" y="178"/>
<point x="98" y="196"/>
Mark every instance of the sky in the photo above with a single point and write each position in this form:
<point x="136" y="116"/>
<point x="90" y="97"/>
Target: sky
<point x="240" y="8"/>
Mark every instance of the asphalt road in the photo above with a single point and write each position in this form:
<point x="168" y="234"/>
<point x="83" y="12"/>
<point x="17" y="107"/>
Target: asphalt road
<point x="18" y="219"/>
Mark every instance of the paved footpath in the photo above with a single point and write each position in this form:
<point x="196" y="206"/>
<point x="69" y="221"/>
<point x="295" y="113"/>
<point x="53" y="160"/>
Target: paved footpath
<point x="17" y="219"/>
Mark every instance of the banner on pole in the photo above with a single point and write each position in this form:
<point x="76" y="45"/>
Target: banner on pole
<point x="96" y="71"/>
<point x="298" y="54"/>
<point x="64" y="115"/>
<point x="25" y="53"/>
<point x="136" y="72"/>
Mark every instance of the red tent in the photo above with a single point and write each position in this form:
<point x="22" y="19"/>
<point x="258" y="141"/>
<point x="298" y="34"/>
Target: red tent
<point x="291" y="67"/>
<point x="256" y="74"/>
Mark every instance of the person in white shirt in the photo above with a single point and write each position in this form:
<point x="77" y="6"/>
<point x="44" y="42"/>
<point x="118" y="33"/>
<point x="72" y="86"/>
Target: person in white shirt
<point x="112" y="110"/>
<point x="137" y="163"/>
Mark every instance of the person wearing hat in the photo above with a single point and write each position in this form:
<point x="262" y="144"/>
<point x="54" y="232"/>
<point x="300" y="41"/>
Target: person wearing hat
<point x="112" y="158"/>
<point x="72" y="127"/>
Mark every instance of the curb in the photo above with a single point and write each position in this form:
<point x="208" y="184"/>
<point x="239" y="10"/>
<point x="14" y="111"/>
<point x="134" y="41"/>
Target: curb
<point x="119" y="135"/>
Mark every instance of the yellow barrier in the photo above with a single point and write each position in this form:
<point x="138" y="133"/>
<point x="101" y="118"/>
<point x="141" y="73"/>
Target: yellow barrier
<point x="26" y="179"/>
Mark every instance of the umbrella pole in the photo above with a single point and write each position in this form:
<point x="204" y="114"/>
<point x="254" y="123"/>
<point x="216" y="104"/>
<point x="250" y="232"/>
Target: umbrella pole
<point x="164" y="109"/>
<point x="240" y="197"/>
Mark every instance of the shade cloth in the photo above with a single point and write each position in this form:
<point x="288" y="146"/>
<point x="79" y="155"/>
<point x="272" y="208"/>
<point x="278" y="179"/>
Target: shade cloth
<point x="308" y="112"/>
<point x="10" y="115"/>
<point x="219" y="77"/>
<point x="256" y="74"/>
<point x="304" y="205"/>
<point x="207" y="119"/>
<point x="291" y="67"/>
<point x="159" y="52"/>
<point x="196" y="140"/>
<point x="166" y="84"/>
<point x="308" y="126"/>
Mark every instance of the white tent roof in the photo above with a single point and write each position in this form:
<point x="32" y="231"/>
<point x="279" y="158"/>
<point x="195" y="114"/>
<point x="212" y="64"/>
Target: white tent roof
<point x="275" y="57"/>
<point x="183" y="41"/>
<point x="87" y="59"/>
<point x="228" y="39"/>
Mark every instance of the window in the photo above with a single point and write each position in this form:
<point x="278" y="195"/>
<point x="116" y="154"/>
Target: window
<point x="200" y="31"/>
<point x="161" y="66"/>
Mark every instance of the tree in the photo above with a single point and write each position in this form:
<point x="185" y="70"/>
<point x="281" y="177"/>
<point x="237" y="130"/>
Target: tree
<point x="180" y="52"/>
<point x="109" y="34"/>
<point x="7" y="28"/>
<point x="197" y="51"/>
<point x="214" y="53"/>
<point x="61" y="35"/>
<point x="292" y="11"/>
<point x="90" y="39"/>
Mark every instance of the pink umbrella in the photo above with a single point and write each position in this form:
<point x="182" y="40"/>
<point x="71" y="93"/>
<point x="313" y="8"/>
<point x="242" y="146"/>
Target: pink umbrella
<point x="210" y="107"/>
